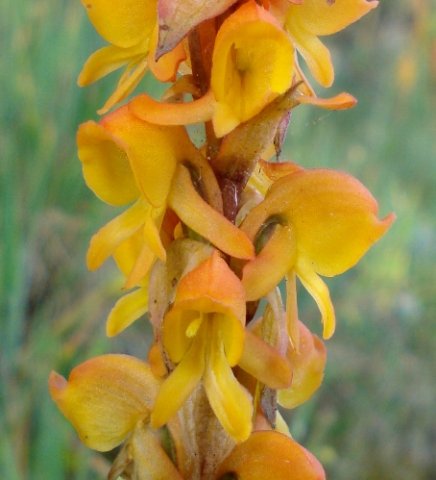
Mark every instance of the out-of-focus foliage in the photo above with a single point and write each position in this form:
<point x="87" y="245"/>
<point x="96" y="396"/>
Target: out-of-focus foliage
<point x="373" y="417"/>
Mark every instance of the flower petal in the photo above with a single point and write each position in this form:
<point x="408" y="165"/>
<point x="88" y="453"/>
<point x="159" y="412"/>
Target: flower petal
<point x="180" y="383"/>
<point x="104" y="61"/>
<point x="105" y="397"/>
<point x="108" y="238"/>
<point x="242" y="82"/>
<point x="276" y="258"/>
<point x="123" y="23"/>
<point x="128" y="308"/>
<point x="263" y="362"/>
<point x="206" y="221"/>
<point x="320" y="293"/>
<point x="308" y="367"/>
<point x="269" y="455"/>
<point x="342" y="101"/>
<point x="105" y="165"/>
<point x="230" y="401"/>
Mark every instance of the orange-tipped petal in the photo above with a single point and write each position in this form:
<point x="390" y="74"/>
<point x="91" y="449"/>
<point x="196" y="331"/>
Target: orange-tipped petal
<point x="128" y="308"/>
<point x="277" y="257"/>
<point x="206" y="221"/>
<point x="242" y="81"/>
<point x="320" y="293"/>
<point x="104" y="243"/>
<point x="308" y="368"/>
<point x="105" y="165"/>
<point x="105" y="397"/>
<point x="269" y="455"/>
<point x="263" y="362"/>
<point x="123" y="23"/>
<point x="162" y="113"/>
<point x="181" y="382"/>
<point x="230" y="401"/>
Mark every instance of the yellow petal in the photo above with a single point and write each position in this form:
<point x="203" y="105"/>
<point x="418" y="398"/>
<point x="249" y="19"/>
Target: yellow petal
<point x="203" y="219"/>
<point x="308" y="368"/>
<point x="141" y="267"/>
<point x="321" y="17"/>
<point x="269" y="455"/>
<point x="128" y="308"/>
<point x="320" y="293"/>
<point x="342" y="101"/>
<point x="315" y="53"/>
<point x="127" y="253"/>
<point x="151" y="232"/>
<point x="123" y="23"/>
<point x="108" y="238"/>
<point x="263" y="362"/>
<point x="105" y="397"/>
<point x="181" y="382"/>
<point x="229" y="400"/>
<point x="106" y="60"/>
<point x="241" y="80"/>
<point x="127" y="83"/>
<point x="153" y="151"/>
<point x="105" y="165"/>
<point x="277" y="257"/>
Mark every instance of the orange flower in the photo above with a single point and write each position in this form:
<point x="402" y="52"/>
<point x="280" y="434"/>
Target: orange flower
<point x="311" y="223"/>
<point x="269" y="455"/>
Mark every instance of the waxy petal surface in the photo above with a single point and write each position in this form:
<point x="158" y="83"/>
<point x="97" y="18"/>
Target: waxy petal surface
<point x="269" y="455"/>
<point x="116" y="387"/>
<point x="122" y="22"/>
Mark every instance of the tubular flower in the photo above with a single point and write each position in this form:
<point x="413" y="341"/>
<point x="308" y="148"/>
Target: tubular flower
<point x="130" y="27"/>
<point x="242" y="82"/>
<point x="311" y="19"/>
<point x="203" y="333"/>
<point x="121" y="166"/>
<point x="322" y="223"/>
<point x="269" y="455"/>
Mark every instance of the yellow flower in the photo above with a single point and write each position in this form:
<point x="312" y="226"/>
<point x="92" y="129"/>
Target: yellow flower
<point x="252" y="65"/>
<point x="203" y="334"/>
<point x="122" y="166"/>
<point x="108" y="399"/>
<point x="269" y="455"/>
<point x="311" y="19"/>
<point x="130" y="27"/>
<point x="311" y="223"/>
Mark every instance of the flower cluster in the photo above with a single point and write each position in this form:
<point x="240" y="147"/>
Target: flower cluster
<point x="210" y="228"/>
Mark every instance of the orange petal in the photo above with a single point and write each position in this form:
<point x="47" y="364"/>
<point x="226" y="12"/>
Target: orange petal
<point x="308" y="367"/>
<point x="123" y="23"/>
<point x="342" y="101"/>
<point x="277" y="257"/>
<point x="203" y="219"/>
<point x="269" y="455"/>
<point x="105" y="397"/>
<point x="105" y="165"/>
<point x="153" y="151"/>
<point x="128" y="308"/>
<point x="162" y="113"/>
<point x="108" y="238"/>
<point x="263" y="362"/>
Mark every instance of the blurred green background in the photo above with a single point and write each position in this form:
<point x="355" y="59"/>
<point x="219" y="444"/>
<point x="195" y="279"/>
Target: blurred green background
<point x="374" y="418"/>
